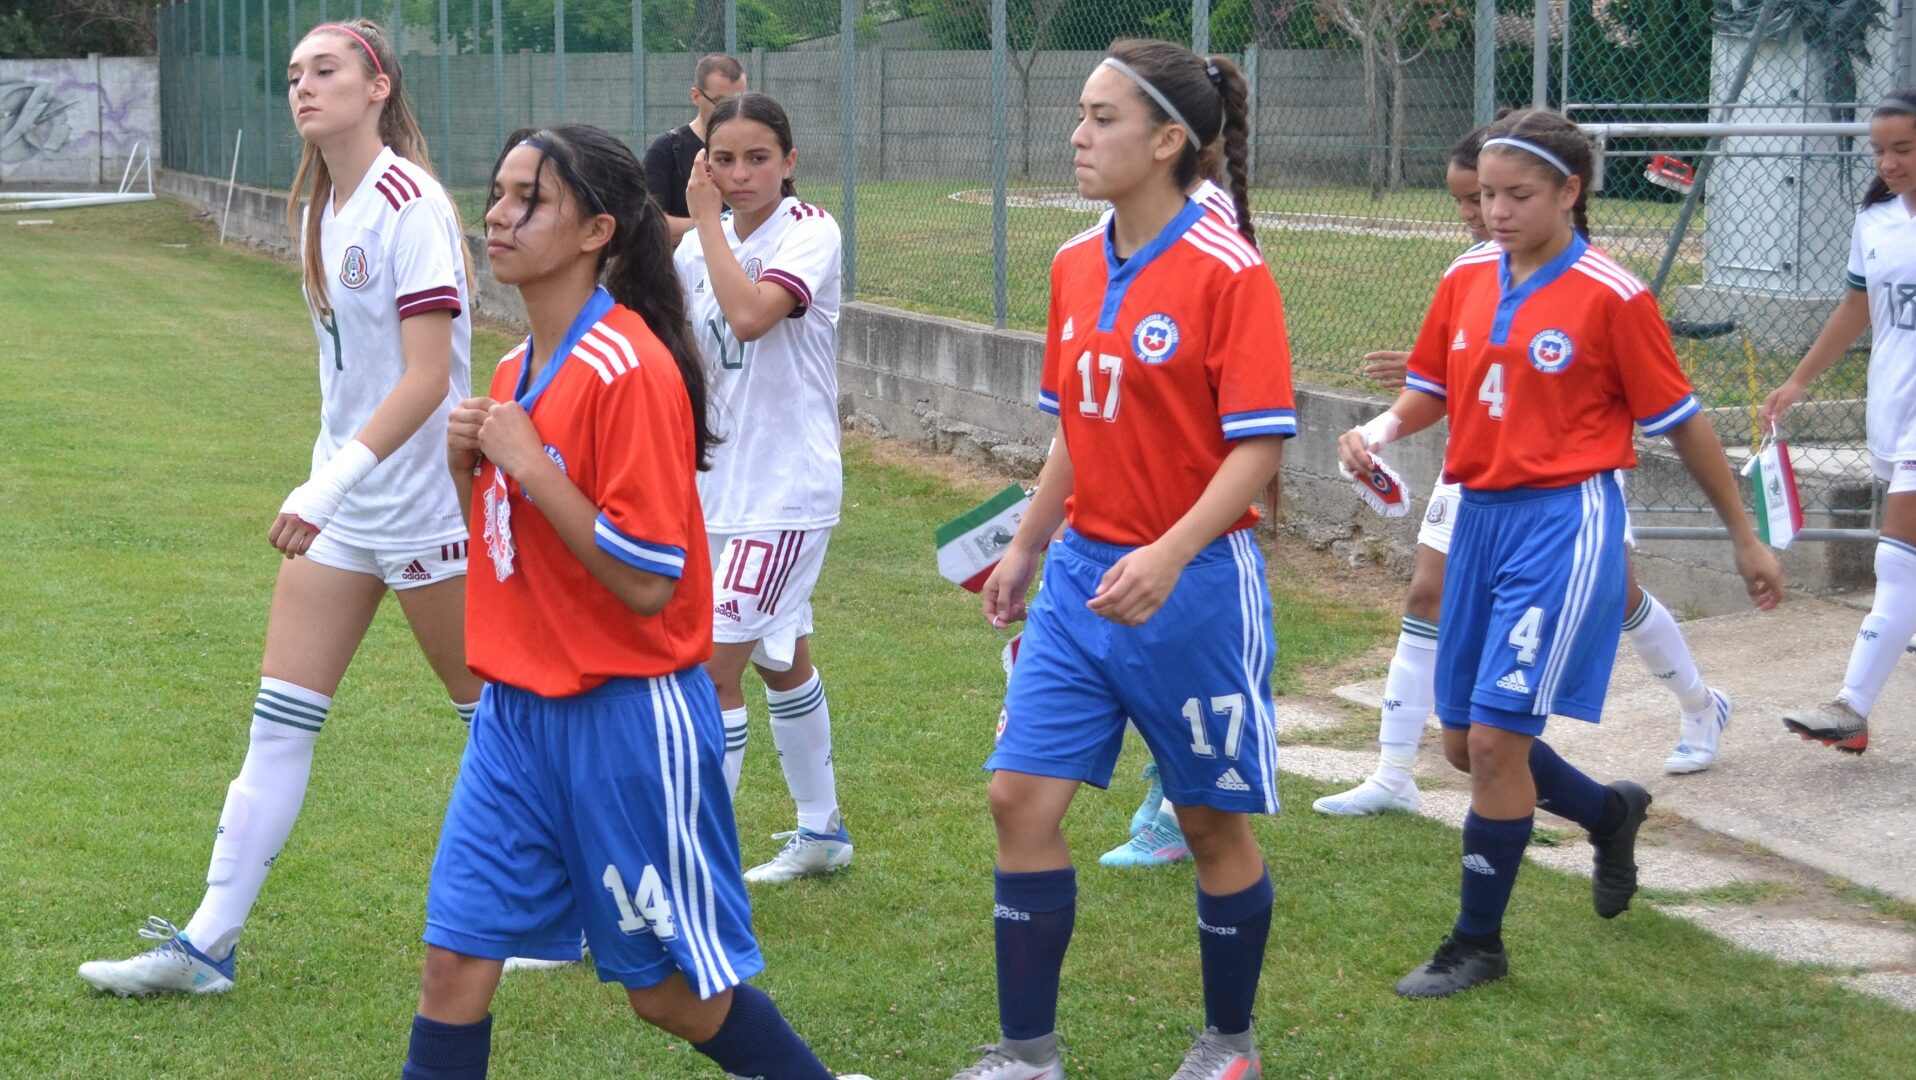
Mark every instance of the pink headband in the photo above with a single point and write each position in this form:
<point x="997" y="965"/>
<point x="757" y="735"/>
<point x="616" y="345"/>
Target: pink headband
<point x="354" y="34"/>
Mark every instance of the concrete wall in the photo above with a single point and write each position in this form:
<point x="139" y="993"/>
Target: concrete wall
<point x="969" y="390"/>
<point x="75" y="121"/>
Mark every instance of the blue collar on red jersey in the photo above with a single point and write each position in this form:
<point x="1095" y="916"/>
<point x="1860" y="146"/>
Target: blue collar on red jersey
<point x="1510" y="298"/>
<point x="588" y="317"/>
<point x="1118" y="277"/>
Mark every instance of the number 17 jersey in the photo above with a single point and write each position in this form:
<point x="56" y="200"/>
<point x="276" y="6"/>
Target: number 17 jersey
<point x="1155" y="365"/>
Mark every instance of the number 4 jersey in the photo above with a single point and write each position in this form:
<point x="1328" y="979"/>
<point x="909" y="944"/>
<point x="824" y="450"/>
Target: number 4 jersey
<point x="774" y="401"/>
<point x="1155" y="365"/>
<point x="1542" y="379"/>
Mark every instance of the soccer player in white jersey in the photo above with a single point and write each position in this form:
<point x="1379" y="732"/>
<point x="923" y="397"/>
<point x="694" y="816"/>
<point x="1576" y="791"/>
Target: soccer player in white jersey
<point x="1881" y="297"/>
<point x="761" y="283"/>
<point x="1410" y="687"/>
<point x="385" y="277"/>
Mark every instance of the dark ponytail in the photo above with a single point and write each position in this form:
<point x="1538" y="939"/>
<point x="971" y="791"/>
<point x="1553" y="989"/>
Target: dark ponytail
<point x="765" y="109"/>
<point x="1895" y="103"/>
<point x="1213" y="98"/>
<point x="1564" y="140"/>
<point x="636" y="266"/>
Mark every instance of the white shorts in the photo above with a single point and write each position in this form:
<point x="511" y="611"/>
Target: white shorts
<point x="1434" y="533"/>
<point x="1899" y="474"/>
<point x="400" y="570"/>
<point x="1447" y="499"/>
<point x="762" y="590"/>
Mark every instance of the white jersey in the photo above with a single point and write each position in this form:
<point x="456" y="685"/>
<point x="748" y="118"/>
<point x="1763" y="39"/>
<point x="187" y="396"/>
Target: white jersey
<point x="773" y="401"/>
<point x="1882" y="260"/>
<point x="393" y="251"/>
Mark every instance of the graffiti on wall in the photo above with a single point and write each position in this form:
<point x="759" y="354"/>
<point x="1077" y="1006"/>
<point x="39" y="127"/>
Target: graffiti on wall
<point x="75" y="120"/>
<point x="34" y="120"/>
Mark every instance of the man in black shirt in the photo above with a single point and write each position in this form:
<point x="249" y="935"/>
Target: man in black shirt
<point x="668" y="161"/>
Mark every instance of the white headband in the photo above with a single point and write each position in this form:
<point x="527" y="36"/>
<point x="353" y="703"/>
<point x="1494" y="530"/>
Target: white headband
<point x="1155" y="95"/>
<point x="1530" y="147"/>
<point x="1895" y="106"/>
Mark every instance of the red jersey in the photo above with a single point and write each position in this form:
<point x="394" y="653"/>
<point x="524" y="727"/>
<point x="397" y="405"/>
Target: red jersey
<point x="1542" y="380"/>
<point x="613" y="413"/>
<point x="1155" y="365"/>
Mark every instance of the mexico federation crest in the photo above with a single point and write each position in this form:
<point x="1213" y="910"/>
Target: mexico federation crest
<point x="1551" y="351"/>
<point x="1437" y="512"/>
<point x="353" y="269"/>
<point x="1156" y="338"/>
<point x="752" y="268"/>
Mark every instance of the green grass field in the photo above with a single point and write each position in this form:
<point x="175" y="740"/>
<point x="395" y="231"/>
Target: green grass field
<point x="160" y="401"/>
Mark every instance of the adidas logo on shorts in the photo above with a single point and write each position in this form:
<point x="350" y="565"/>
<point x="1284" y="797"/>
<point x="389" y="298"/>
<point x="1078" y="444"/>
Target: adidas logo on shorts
<point x="1231" y="781"/>
<point x="414" y="572"/>
<point x="729" y="609"/>
<point x="1477" y="864"/>
<point x="1514" y="682"/>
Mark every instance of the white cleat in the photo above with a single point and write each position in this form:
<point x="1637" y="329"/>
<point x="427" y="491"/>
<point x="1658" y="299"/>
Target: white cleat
<point x="1698" y="737"/>
<point x="1373" y="796"/>
<point x="174" y="966"/>
<point x="1009" y="1060"/>
<point x="527" y="963"/>
<point x="805" y="854"/>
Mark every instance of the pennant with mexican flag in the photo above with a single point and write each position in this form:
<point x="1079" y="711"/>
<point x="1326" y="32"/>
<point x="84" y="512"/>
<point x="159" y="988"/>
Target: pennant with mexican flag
<point x="971" y="544"/>
<point x="1779" y="513"/>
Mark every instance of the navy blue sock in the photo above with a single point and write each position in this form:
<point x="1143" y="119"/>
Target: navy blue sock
<point x="441" y="1051"/>
<point x="1232" y="931"/>
<point x="1493" y="850"/>
<point x="756" y="1041"/>
<point x="1564" y="790"/>
<point x="1033" y="915"/>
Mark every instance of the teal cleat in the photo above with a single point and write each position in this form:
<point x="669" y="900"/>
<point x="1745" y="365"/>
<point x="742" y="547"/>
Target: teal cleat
<point x="1159" y="843"/>
<point x="1147" y="810"/>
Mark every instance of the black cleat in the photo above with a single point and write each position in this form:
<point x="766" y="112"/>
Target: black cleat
<point x="1453" y="967"/>
<point x="1613" y="880"/>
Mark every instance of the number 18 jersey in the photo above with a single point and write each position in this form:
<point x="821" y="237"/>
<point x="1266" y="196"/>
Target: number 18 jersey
<point x="1155" y="364"/>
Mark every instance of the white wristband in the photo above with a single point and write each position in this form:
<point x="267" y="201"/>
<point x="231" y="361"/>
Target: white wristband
<point x="1380" y="430"/>
<point x="317" y="500"/>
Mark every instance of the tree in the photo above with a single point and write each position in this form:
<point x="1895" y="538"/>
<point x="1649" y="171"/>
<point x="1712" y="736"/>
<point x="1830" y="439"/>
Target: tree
<point x="42" y="29"/>
<point x="1393" y="34"/>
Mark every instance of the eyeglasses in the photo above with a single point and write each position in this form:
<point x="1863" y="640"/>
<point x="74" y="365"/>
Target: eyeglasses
<point x="716" y="101"/>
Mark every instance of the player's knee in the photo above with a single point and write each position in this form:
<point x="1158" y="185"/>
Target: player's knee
<point x="1213" y="834"/>
<point x="1022" y="818"/>
<point x="1457" y="752"/>
<point x="678" y="1012"/>
<point x="454" y="988"/>
<point x="1496" y="755"/>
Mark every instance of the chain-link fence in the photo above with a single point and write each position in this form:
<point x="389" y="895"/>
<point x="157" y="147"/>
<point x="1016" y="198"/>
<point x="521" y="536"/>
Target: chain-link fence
<point x="935" y="130"/>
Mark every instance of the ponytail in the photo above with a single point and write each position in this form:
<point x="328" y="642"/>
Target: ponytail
<point x="1895" y="103"/>
<point x="1237" y="137"/>
<point x="636" y="266"/>
<point x="1212" y="102"/>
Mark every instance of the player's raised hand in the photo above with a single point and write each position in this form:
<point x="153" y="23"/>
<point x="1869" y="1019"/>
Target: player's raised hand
<point x="1779" y="403"/>
<point x="702" y="198"/>
<point x="1136" y="586"/>
<point x="509" y="440"/>
<point x="1005" y="590"/>
<point x="1762" y="574"/>
<point x="1386" y="367"/>
<point x="462" y="433"/>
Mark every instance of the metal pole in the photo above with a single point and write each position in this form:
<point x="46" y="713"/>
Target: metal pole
<point x="848" y="111"/>
<point x="1000" y="170"/>
<point x="392" y="32"/>
<point x="731" y="27"/>
<point x="1905" y="60"/>
<point x="1540" y="57"/>
<point x="246" y="89"/>
<point x="446" y="156"/>
<point x="1485" y="61"/>
<point x="292" y="28"/>
<point x="1563" y="77"/>
<point x="1758" y="34"/>
<point x="266" y="73"/>
<point x="324" y="17"/>
<point x="1250" y="106"/>
<point x="222" y="69"/>
<point x="638" y="75"/>
<point x="202" y="66"/>
<point x="558" y="57"/>
<point x="498" y="75"/>
<point x="1201" y="26"/>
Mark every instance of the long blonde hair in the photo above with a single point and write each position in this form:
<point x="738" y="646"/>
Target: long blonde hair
<point x="398" y="128"/>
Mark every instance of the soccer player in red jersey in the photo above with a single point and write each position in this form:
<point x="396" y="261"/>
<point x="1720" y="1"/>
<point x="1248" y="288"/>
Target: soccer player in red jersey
<point x="1166" y="363"/>
<point x="1542" y="352"/>
<point x="592" y="792"/>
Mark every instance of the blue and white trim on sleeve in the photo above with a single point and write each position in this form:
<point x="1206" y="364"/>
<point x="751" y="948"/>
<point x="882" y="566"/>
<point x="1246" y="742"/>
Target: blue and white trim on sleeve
<point x="1048" y="402"/>
<point x="1414" y="381"/>
<point x="1661" y="423"/>
<point x="1245" y="425"/>
<point x="1856" y="281"/>
<point x="661" y="559"/>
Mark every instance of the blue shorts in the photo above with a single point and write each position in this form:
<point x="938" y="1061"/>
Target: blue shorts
<point x="1533" y="604"/>
<point x="607" y="810"/>
<point x="1195" y="679"/>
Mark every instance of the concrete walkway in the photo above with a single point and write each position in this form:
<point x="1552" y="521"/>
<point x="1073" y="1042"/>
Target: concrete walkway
<point x="1818" y="811"/>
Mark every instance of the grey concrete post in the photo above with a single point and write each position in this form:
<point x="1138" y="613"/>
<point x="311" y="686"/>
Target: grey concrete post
<point x="1201" y="26"/>
<point x="731" y="27"/>
<point x="1540" y="57"/>
<point x="223" y="128"/>
<point x="1484" y="60"/>
<point x="1250" y="106"/>
<point x="448" y="159"/>
<point x="848" y="131"/>
<point x="1000" y="168"/>
<point x="498" y="74"/>
<point x="558" y="58"/>
<point x="638" y="75"/>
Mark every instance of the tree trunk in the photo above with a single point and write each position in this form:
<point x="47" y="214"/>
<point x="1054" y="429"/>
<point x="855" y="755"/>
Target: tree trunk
<point x="708" y="26"/>
<point x="1373" y="112"/>
<point x="1399" y="113"/>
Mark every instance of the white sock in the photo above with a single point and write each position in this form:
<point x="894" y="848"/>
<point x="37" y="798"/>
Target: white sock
<point x="737" y="727"/>
<point x="1660" y="645"/>
<point x="466" y="711"/>
<point x="261" y="805"/>
<point x="1410" y="693"/>
<point x="802" y="731"/>
<point x="1885" y="632"/>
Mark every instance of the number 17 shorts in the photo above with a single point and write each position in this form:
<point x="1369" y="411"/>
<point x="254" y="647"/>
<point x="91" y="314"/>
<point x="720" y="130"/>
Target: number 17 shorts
<point x="1195" y="678"/>
<point x="606" y="810"/>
